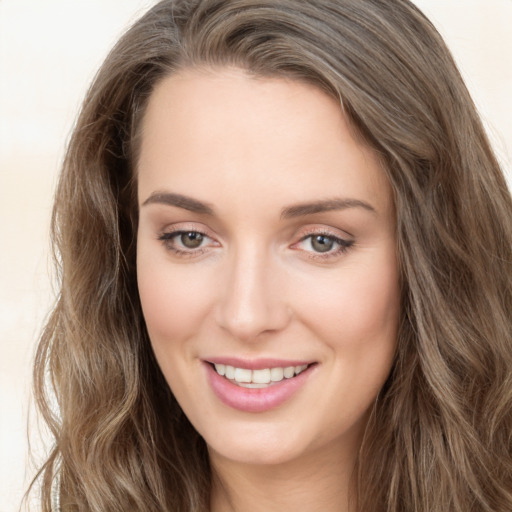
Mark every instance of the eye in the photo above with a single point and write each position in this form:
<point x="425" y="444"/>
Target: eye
<point x="190" y="239"/>
<point x="186" y="242"/>
<point x="323" y="245"/>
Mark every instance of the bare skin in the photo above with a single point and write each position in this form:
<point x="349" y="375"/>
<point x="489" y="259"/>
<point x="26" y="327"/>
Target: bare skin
<point x="320" y="481"/>
<point x="266" y="242"/>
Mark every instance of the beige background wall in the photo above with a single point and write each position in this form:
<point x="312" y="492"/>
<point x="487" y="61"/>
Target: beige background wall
<point x="48" y="53"/>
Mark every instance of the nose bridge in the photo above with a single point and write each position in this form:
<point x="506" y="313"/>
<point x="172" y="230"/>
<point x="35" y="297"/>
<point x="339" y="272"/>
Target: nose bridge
<point x="251" y="303"/>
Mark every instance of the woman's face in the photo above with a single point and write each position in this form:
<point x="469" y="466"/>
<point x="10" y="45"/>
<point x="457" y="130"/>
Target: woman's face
<point x="266" y="262"/>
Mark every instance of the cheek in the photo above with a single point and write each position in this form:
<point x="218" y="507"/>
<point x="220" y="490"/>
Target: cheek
<point x="373" y="306"/>
<point x="357" y="309"/>
<point x="174" y="300"/>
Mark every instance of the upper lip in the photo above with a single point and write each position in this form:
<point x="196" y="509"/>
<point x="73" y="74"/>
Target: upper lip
<point x="257" y="364"/>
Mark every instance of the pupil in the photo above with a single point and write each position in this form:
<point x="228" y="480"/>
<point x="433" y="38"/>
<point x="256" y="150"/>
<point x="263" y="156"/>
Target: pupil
<point x="191" y="240"/>
<point x="321" y="243"/>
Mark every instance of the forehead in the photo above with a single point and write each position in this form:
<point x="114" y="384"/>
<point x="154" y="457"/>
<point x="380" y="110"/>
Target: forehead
<point x="222" y="130"/>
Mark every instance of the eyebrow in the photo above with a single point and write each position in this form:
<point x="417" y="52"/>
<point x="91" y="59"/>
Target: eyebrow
<point x="301" y="210"/>
<point x="180" y="201"/>
<point x="298" y="210"/>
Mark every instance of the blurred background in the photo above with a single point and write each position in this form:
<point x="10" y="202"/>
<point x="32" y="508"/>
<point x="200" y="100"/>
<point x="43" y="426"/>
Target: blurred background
<point x="49" y="52"/>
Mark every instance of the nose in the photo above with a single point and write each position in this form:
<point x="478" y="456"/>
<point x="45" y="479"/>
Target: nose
<point x="252" y="303"/>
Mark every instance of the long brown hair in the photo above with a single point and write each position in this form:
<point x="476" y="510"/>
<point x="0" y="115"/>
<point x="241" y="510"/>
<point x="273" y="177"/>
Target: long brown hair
<point x="440" y="435"/>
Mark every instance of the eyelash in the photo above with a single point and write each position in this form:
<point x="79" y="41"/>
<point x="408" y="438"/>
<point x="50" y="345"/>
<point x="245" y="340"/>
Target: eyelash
<point x="343" y="245"/>
<point x="168" y="238"/>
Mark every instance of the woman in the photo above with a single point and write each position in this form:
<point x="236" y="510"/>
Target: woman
<point x="286" y="260"/>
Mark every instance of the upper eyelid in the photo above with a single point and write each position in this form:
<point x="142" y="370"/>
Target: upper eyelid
<point x="184" y="227"/>
<point x="176" y="232"/>
<point x="327" y="231"/>
<point x="344" y="242"/>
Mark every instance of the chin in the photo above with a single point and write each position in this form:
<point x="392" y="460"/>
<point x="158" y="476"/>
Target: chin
<point x="260" y="454"/>
<point x="258" y="444"/>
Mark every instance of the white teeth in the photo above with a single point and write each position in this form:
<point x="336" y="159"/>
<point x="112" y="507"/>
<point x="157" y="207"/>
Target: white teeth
<point x="276" y="374"/>
<point x="258" y="378"/>
<point x="230" y="372"/>
<point x="261" y="376"/>
<point x="289" y="372"/>
<point x="220" y="369"/>
<point x="243" y="375"/>
<point x="251" y="385"/>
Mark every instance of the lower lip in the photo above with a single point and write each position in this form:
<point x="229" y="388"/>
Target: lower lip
<point x="255" y="399"/>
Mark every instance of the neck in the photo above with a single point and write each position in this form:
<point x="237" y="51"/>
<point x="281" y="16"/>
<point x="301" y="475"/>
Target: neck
<point x="318" y="481"/>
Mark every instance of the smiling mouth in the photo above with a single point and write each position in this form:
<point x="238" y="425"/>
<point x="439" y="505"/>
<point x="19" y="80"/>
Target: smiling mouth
<point x="262" y="378"/>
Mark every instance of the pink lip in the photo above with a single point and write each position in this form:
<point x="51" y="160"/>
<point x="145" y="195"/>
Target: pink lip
<point x="255" y="399"/>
